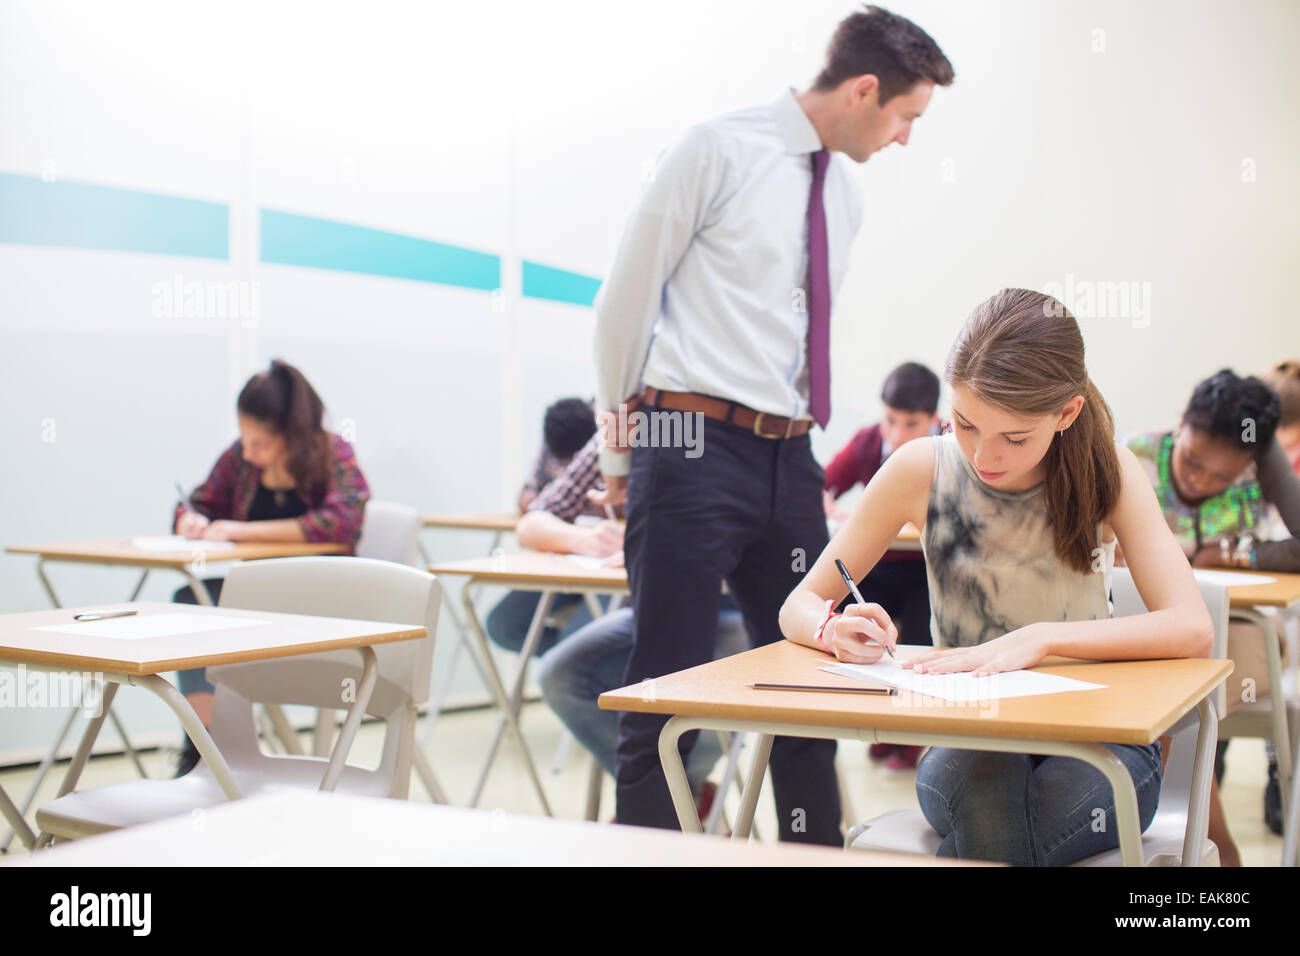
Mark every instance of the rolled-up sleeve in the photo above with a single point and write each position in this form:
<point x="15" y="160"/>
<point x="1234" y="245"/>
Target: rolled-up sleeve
<point x="339" y="516"/>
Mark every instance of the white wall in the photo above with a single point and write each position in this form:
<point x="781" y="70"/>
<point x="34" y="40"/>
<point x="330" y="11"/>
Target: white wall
<point x="523" y="130"/>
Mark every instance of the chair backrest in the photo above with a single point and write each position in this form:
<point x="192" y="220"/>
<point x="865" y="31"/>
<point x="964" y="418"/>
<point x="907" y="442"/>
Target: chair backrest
<point x="357" y="588"/>
<point x="390" y="532"/>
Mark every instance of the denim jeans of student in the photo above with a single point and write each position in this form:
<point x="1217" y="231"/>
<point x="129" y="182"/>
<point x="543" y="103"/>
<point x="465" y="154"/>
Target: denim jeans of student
<point x="1027" y="809"/>
<point x="507" y="623"/>
<point x="593" y="660"/>
<point x="195" y="681"/>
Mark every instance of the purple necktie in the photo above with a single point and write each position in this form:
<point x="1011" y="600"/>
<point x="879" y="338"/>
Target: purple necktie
<point x="819" y="297"/>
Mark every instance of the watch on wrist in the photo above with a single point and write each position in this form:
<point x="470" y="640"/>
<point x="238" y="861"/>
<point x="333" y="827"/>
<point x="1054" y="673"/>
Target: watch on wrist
<point x="1245" y="551"/>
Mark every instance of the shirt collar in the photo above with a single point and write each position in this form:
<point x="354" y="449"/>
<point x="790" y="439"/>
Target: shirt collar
<point x="796" y="129"/>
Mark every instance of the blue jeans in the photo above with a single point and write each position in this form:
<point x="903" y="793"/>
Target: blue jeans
<point x="586" y="664"/>
<point x="196" y="681"/>
<point x="507" y="623"/>
<point x="1027" y="809"/>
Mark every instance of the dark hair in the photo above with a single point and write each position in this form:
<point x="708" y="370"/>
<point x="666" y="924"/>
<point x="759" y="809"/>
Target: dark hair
<point x="284" y="402"/>
<point x="568" y="425"/>
<point x="1222" y="404"/>
<point x="892" y="48"/>
<point x="911" y="388"/>
<point x="1021" y="351"/>
<point x="1284" y="378"/>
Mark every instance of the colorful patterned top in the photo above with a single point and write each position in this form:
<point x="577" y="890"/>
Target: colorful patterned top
<point x="1241" y="508"/>
<point x="334" y="511"/>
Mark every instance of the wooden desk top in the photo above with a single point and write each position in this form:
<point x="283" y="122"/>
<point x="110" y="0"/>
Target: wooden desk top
<point x="121" y="551"/>
<point x="477" y="521"/>
<point x="273" y="636"/>
<point x="1141" y="700"/>
<point x="335" y="829"/>
<point x="536" y="568"/>
<point x="1283" y="592"/>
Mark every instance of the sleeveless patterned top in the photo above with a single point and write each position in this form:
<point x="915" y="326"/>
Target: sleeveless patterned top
<point x="990" y="559"/>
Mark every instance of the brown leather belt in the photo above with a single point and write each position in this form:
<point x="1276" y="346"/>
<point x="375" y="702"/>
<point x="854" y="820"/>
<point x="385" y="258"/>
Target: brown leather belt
<point x="761" y="424"/>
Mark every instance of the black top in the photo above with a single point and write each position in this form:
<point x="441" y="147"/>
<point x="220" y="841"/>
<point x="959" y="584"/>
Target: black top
<point x="271" y="505"/>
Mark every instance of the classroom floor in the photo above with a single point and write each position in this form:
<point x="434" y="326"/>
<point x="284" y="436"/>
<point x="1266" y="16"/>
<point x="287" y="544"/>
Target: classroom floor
<point x="461" y="738"/>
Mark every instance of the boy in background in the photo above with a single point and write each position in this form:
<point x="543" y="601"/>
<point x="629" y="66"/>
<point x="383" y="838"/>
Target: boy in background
<point x="897" y="583"/>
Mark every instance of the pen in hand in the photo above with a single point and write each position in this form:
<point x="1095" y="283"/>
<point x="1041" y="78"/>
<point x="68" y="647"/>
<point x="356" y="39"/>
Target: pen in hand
<point x="857" y="596"/>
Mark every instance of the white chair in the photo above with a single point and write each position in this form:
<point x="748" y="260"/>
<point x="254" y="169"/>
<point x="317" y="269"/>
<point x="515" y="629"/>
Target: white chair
<point x="907" y="831"/>
<point x="390" y="532"/>
<point x="358" y="588"/>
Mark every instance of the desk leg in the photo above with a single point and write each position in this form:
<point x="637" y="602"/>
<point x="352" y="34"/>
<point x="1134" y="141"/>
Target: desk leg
<point x="45" y="583"/>
<point x="675" y="773"/>
<point x="139" y="585"/>
<point x="1281" y="730"/>
<point x="174" y="699"/>
<point x="749" y="800"/>
<point x="1198" y="808"/>
<point x="47" y="762"/>
<point x="16" y="821"/>
<point x="73" y="773"/>
<point x="489" y="670"/>
<point x="531" y="639"/>
<point x="342" y="746"/>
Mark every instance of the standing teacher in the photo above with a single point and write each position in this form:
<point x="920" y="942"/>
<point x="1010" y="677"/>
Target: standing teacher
<point x="719" y="303"/>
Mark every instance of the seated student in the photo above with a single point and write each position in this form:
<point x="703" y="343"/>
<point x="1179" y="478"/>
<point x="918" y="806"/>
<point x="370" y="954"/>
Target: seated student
<point x="578" y="669"/>
<point x="284" y="479"/>
<point x="1016" y="507"/>
<point x="897" y="583"/>
<point x="1215" y="476"/>
<point x="566" y="428"/>
<point x="1284" y="378"/>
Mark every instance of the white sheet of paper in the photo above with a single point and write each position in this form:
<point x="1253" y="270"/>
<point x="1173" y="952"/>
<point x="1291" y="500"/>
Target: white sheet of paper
<point x="176" y="542"/>
<point x="1232" y="579"/>
<point x="962" y="688"/>
<point x="151" y="625"/>
<point x="588" y="562"/>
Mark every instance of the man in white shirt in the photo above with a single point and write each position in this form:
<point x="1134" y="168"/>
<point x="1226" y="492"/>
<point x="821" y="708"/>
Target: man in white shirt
<point x="718" y="306"/>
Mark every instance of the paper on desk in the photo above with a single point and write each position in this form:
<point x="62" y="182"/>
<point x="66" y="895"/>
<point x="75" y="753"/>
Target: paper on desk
<point x="177" y="542"/>
<point x="1231" y="579"/>
<point x="151" y="625"/>
<point x="588" y="562"/>
<point x="962" y="688"/>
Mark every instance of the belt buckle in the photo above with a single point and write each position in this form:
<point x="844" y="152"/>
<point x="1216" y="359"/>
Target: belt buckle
<point x="758" y="420"/>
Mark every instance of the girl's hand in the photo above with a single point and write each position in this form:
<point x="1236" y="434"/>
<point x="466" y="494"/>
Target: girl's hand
<point x="191" y="524"/>
<point x="225" y="531"/>
<point x="1013" y="651"/>
<point x="1210" y="556"/>
<point x="859" y="632"/>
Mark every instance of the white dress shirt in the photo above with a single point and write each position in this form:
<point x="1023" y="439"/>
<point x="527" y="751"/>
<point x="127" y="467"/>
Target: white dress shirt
<point x="707" y="292"/>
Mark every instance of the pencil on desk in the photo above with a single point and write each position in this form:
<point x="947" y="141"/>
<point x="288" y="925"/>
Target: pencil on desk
<point x="827" y="688"/>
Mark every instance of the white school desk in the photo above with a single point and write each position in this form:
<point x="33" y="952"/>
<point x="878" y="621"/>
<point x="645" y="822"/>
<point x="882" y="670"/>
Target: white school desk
<point x="1141" y="701"/>
<point x="1244" y="601"/>
<point x="121" y="552"/>
<point x="140" y="661"/>
<point x="340" y="830"/>
<point x="550" y="574"/>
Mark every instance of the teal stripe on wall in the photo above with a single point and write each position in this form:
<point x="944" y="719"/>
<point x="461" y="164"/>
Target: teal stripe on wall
<point x="87" y="216"/>
<point x="546" y="282"/>
<point x="294" y="240"/>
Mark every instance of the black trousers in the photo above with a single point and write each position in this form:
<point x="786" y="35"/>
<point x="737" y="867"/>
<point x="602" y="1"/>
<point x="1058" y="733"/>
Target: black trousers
<point x="747" y="510"/>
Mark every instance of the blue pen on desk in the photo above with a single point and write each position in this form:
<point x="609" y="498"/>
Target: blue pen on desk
<point x="857" y="596"/>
